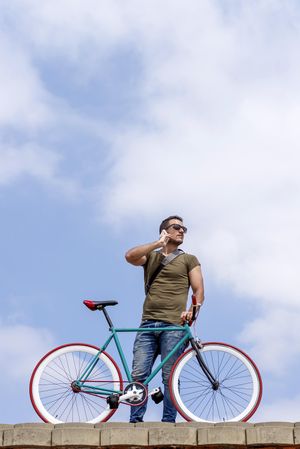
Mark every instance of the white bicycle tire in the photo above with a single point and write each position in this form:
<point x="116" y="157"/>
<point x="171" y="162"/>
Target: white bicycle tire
<point x="251" y="371"/>
<point x="64" y="351"/>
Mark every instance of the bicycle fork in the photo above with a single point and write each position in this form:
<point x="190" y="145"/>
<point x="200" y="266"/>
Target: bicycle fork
<point x="214" y="383"/>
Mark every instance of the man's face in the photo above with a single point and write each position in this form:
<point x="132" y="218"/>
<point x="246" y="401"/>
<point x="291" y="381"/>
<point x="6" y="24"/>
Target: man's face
<point x="177" y="235"/>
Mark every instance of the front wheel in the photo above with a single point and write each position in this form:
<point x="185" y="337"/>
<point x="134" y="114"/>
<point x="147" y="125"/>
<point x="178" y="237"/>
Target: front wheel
<point x="53" y="391"/>
<point x="237" y="396"/>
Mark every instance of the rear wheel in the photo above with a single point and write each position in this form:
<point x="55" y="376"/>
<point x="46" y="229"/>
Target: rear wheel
<point x="240" y="386"/>
<point x="53" y="390"/>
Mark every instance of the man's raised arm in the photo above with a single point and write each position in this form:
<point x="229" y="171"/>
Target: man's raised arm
<point x="138" y="255"/>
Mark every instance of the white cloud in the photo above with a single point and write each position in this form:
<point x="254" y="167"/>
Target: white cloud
<point x="24" y="101"/>
<point x="21" y="347"/>
<point x="275" y="340"/>
<point x="26" y="160"/>
<point x="280" y="410"/>
<point x="30" y="114"/>
<point x="39" y="163"/>
<point x="81" y="32"/>
<point x="220" y="144"/>
<point x="239" y="191"/>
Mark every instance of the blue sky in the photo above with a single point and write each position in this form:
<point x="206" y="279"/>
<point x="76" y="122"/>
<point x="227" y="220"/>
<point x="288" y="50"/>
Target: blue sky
<point x="114" y="115"/>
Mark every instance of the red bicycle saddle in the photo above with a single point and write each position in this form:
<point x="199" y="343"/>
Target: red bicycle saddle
<point x="98" y="305"/>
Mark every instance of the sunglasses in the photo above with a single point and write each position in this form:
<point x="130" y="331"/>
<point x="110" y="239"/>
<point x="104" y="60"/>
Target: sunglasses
<point x="177" y="227"/>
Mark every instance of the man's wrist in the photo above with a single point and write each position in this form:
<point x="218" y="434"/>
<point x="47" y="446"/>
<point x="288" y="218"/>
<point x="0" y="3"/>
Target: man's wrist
<point x="198" y="304"/>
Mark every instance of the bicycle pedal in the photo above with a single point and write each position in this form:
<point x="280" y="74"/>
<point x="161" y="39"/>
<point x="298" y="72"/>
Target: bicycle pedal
<point x="157" y="395"/>
<point x="113" y="401"/>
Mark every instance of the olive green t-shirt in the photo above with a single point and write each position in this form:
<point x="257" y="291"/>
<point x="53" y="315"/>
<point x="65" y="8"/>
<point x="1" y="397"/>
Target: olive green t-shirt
<point x="167" y="297"/>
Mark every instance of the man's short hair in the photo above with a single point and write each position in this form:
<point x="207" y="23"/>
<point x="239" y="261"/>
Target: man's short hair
<point x="164" y="224"/>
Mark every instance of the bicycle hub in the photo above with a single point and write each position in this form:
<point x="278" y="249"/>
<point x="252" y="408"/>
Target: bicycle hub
<point x="215" y="385"/>
<point x="75" y="387"/>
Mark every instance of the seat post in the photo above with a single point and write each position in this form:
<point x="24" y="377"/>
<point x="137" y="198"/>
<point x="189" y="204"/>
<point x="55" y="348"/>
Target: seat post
<point x="107" y="317"/>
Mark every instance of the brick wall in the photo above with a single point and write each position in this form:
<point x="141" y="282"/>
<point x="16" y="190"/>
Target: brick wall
<point x="153" y="435"/>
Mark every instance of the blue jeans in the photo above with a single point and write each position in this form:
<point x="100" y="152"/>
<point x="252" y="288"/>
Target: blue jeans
<point x="146" y="348"/>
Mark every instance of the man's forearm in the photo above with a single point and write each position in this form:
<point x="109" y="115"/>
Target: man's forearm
<point x="199" y="295"/>
<point x="134" y="254"/>
<point x="196" y="281"/>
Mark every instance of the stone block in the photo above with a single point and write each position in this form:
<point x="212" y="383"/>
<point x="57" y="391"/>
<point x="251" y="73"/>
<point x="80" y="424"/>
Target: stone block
<point x="8" y="437"/>
<point x="297" y="434"/>
<point x="222" y="434"/>
<point x="2" y="428"/>
<point x="270" y="433"/>
<point x="172" y="436"/>
<point x="27" y="436"/>
<point x="76" y="436"/>
<point x="128" y="436"/>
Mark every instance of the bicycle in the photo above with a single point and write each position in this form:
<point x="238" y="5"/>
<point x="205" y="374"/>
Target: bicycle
<point x="209" y="382"/>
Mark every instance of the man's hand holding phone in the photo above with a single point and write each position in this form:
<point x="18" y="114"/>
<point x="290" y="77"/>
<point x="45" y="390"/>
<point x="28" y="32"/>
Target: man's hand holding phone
<point x="164" y="237"/>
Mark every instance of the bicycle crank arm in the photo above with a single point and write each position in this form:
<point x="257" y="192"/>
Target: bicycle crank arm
<point x="156" y="395"/>
<point x="154" y="391"/>
<point x="129" y="395"/>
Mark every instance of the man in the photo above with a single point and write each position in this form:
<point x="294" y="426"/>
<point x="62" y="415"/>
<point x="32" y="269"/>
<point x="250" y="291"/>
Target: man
<point x="165" y="305"/>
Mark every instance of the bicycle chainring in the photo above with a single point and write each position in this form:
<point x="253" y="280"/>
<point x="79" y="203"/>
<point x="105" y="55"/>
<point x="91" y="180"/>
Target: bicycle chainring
<point x="140" y="393"/>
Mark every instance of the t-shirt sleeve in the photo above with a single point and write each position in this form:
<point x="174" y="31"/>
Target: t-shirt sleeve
<point x="192" y="262"/>
<point x="149" y="258"/>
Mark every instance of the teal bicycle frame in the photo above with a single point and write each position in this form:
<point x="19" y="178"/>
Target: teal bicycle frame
<point x="80" y="383"/>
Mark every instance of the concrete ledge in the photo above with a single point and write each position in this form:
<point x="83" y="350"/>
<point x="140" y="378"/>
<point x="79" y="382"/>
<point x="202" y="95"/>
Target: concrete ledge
<point x="164" y="436"/>
<point x="30" y="436"/>
<point x="297" y="433"/>
<point x="271" y="433"/>
<point x="153" y="434"/>
<point x="225" y="434"/>
<point x="76" y="436"/>
<point x="131" y="436"/>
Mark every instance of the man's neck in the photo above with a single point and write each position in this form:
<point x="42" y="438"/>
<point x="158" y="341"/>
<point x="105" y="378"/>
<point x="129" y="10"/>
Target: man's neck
<point x="169" y="248"/>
